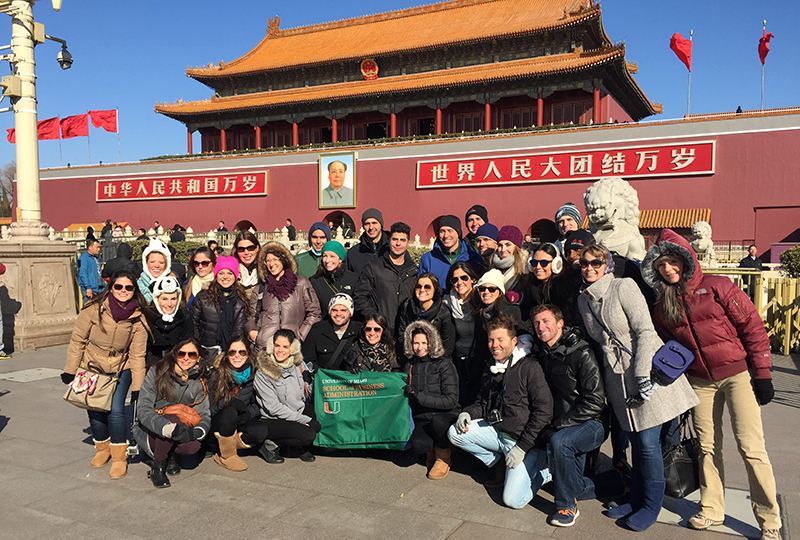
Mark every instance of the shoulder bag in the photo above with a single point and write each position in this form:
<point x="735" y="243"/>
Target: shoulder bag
<point x="681" y="469"/>
<point x="187" y="414"/>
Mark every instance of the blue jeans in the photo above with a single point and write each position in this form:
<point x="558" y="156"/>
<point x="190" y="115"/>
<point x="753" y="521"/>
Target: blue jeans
<point x="648" y="461"/>
<point x="113" y="424"/>
<point x="485" y="442"/>
<point x="567" y="456"/>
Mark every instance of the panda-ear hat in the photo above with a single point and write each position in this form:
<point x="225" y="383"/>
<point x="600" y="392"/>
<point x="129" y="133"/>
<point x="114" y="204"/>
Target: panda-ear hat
<point x="166" y="285"/>
<point x="156" y="246"/>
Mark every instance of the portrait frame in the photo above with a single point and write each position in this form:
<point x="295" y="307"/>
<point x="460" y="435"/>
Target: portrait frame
<point x="345" y="196"/>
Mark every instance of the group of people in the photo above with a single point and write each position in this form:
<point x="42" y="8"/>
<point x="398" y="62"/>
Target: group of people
<point x="526" y="356"/>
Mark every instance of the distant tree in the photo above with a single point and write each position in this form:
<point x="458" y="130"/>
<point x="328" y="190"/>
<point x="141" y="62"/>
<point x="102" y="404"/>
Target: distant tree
<point x="7" y="176"/>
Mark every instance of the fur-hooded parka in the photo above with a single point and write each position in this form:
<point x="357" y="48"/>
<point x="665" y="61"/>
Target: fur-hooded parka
<point x="434" y="376"/>
<point x="282" y="394"/>
<point x="435" y="347"/>
<point x="279" y="250"/>
<point x="265" y="359"/>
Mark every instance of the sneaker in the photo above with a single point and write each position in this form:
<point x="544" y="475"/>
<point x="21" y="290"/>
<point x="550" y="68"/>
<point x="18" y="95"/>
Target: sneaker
<point x="700" y="523"/>
<point x="566" y="517"/>
<point x="4" y="355"/>
<point x="770" y="534"/>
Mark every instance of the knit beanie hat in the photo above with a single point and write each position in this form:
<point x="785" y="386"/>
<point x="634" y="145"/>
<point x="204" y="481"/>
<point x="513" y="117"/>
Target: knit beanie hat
<point x="227" y="263"/>
<point x="372" y="213"/>
<point x="569" y="209"/>
<point x="341" y="299"/>
<point x="510" y="233"/>
<point x="335" y="247"/>
<point x="479" y="211"/>
<point x="451" y="221"/>
<point x="487" y="230"/>
<point x="320" y="226"/>
<point x="493" y="277"/>
<point x="167" y="285"/>
<point x="156" y="246"/>
<point x="578" y="240"/>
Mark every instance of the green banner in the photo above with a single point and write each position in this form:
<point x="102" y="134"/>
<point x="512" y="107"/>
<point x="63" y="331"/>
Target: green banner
<point x="367" y="410"/>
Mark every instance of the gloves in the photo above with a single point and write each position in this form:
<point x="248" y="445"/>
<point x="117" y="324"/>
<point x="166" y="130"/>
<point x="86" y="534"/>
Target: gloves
<point x="544" y="436"/>
<point x="356" y="369"/>
<point x="134" y="397"/>
<point x="183" y="434"/>
<point x="238" y="405"/>
<point x="646" y="387"/>
<point x="315" y="426"/>
<point x="244" y="417"/>
<point x="763" y="390"/>
<point x="67" y="378"/>
<point x="514" y="457"/>
<point x="410" y="392"/>
<point x="462" y="422"/>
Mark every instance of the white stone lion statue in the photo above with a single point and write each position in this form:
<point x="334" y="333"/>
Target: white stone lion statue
<point x="612" y="207"/>
<point x="701" y="241"/>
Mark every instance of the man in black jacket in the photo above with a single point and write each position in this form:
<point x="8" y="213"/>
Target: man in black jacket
<point x="386" y="282"/>
<point x="514" y="405"/>
<point x="374" y="242"/>
<point x="330" y="339"/>
<point x="574" y="377"/>
<point x="122" y="260"/>
<point x="752" y="261"/>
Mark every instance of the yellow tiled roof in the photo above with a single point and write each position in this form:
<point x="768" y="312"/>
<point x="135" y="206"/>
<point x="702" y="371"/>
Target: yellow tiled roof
<point x="422" y="27"/>
<point x="668" y="219"/>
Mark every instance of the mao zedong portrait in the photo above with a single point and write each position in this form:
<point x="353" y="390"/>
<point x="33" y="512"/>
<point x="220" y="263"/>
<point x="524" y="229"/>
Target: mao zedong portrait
<point x="337" y="194"/>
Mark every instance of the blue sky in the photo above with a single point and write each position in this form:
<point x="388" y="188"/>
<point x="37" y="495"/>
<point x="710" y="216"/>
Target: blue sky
<point x="131" y="55"/>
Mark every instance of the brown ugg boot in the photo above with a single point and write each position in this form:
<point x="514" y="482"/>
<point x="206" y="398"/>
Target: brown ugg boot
<point x="240" y="445"/>
<point x="442" y="465"/>
<point x="119" y="460"/>
<point x="227" y="456"/>
<point x="103" y="453"/>
<point x="430" y="459"/>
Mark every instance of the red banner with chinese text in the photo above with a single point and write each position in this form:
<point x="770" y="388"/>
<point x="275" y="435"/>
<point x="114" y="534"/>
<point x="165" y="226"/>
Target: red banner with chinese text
<point x="684" y="159"/>
<point x="183" y="187"/>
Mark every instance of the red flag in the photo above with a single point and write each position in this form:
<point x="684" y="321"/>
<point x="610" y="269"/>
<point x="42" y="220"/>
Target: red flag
<point x="12" y="135"/>
<point x="683" y="48"/>
<point x="763" y="45"/>
<point x="48" y="129"/>
<point x="75" y="126"/>
<point x="105" y="119"/>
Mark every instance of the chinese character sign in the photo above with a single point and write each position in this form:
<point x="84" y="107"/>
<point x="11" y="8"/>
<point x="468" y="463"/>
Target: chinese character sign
<point x="683" y="159"/>
<point x="183" y="187"/>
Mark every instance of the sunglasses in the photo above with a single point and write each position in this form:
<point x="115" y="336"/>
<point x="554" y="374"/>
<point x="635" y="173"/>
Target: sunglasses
<point x="191" y="354"/>
<point x="484" y="288"/>
<point x="543" y="263"/>
<point x="456" y="279"/>
<point x="376" y="329"/>
<point x="595" y="263"/>
<point x="240" y="352"/>
<point x="426" y="286"/>
<point x="202" y="263"/>
<point x="120" y="286"/>
<point x="242" y="249"/>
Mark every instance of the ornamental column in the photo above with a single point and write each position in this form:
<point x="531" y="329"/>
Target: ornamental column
<point x="295" y="134"/>
<point x="487" y="116"/>
<point x="222" y="140"/>
<point x="392" y="124"/>
<point x="539" y="110"/>
<point x="438" y="120"/>
<point x="334" y="130"/>
<point x="189" y="141"/>
<point x="596" y="118"/>
<point x="258" y="137"/>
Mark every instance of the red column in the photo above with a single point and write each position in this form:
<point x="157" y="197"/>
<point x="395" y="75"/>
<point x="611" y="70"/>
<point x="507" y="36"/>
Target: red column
<point x="334" y="130"/>
<point x="295" y="134"/>
<point x="222" y="145"/>
<point x="189" y="142"/>
<point x="596" y="106"/>
<point x="438" y="120"/>
<point x="392" y="125"/>
<point x="258" y="137"/>
<point x="539" y="111"/>
<point x="487" y="116"/>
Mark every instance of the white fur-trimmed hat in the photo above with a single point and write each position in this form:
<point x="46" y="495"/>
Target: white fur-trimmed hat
<point x="156" y="246"/>
<point x="166" y="285"/>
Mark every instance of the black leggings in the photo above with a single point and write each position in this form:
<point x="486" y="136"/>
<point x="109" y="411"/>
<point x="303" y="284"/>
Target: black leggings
<point x="288" y="433"/>
<point x="226" y="423"/>
<point x="432" y="432"/>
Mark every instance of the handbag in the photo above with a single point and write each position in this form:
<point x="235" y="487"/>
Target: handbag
<point x="187" y="414"/>
<point x="92" y="389"/>
<point x="681" y="468"/>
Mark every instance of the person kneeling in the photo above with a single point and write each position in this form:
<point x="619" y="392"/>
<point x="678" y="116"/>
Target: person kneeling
<point x="432" y="391"/>
<point x="573" y="374"/>
<point x="513" y="406"/>
<point x="161" y="429"/>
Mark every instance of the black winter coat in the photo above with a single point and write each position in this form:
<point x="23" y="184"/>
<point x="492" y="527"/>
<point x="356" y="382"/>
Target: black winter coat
<point x="322" y="342"/>
<point x="365" y="251"/>
<point x="246" y="394"/>
<point x="122" y="260"/>
<point x="438" y="315"/>
<point x="575" y="379"/>
<point x="523" y="397"/>
<point x="326" y="284"/>
<point x="206" y="317"/>
<point x="382" y="287"/>
<point x="165" y="335"/>
<point x="436" y="383"/>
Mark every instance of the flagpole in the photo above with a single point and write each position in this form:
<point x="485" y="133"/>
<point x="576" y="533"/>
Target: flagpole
<point x="88" y="144"/>
<point x="60" y="158"/>
<point x="762" y="71"/>
<point x="689" y="90"/>
<point x="119" y="146"/>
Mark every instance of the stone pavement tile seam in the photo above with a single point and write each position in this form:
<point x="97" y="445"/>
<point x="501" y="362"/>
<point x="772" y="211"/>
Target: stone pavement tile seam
<point x="470" y="530"/>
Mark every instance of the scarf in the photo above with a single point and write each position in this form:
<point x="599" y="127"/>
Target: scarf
<point x="199" y="282"/>
<point x="284" y="288"/>
<point x="609" y="269"/>
<point x="247" y="278"/>
<point x="241" y="375"/>
<point x="457" y="307"/>
<point x="286" y="365"/>
<point x="227" y="314"/>
<point x="510" y="277"/>
<point x="377" y="355"/>
<point x="119" y="312"/>
<point x="523" y="349"/>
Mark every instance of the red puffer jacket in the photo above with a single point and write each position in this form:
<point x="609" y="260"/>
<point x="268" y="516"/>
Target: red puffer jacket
<point x="724" y="329"/>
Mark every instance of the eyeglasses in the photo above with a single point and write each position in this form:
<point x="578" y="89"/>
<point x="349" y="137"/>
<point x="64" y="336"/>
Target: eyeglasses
<point x="456" y="279"/>
<point x="484" y="288"/>
<point x="191" y="354"/>
<point x="543" y="262"/>
<point x="271" y="260"/>
<point x="242" y="249"/>
<point x="595" y="263"/>
<point x="376" y="329"/>
<point x="426" y="286"/>
<point x="202" y="263"/>
<point x="240" y="352"/>
<point x="120" y="286"/>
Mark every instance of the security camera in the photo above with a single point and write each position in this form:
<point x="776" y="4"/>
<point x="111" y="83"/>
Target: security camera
<point x="64" y="59"/>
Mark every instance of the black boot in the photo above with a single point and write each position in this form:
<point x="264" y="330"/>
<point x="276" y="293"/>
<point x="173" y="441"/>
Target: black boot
<point x="158" y="474"/>
<point x="173" y="467"/>
<point x="270" y="456"/>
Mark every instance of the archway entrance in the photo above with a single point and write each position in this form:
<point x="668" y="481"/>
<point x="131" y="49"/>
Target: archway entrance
<point x="544" y="230"/>
<point x="342" y="219"/>
<point x="244" y="225"/>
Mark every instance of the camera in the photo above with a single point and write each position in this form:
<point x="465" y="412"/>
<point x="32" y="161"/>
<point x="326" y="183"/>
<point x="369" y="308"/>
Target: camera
<point x="495" y="416"/>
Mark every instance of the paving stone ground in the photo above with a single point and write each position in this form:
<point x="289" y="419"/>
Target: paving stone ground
<point x="50" y="491"/>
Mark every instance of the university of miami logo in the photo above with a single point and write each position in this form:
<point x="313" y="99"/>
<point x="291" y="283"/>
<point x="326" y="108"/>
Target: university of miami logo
<point x="336" y="407"/>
